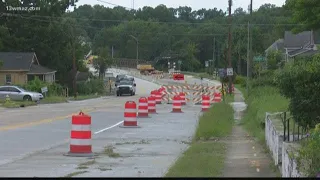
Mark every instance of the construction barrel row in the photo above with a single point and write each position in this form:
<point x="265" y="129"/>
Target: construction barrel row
<point x="80" y="143"/>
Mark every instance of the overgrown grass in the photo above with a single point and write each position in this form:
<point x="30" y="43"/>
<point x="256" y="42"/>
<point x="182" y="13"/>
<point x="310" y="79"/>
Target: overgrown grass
<point x="85" y="97"/>
<point x="217" y="122"/>
<point x="261" y="100"/>
<point x="53" y="100"/>
<point x="206" y="158"/>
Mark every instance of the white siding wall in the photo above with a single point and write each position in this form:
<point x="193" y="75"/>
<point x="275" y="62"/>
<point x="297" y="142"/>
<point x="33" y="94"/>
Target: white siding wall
<point x="49" y="78"/>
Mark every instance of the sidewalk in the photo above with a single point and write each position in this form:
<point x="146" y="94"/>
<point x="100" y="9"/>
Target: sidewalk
<point x="245" y="157"/>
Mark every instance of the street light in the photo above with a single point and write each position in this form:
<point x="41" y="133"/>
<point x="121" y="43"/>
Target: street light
<point x="137" y="41"/>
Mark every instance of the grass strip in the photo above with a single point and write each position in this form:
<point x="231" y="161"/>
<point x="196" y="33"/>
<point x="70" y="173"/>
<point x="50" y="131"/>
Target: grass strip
<point x="261" y="100"/>
<point x="206" y="158"/>
<point x="53" y="100"/>
<point x="85" y="97"/>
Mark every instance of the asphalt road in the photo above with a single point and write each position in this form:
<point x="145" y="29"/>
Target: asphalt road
<point x="28" y="130"/>
<point x="34" y="139"/>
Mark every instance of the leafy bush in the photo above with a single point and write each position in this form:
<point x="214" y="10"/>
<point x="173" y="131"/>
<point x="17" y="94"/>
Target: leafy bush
<point x="239" y="80"/>
<point x="309" y="157"/>
<point x="35" y="85"/>
<point x="266" y="78"/>
<point x="274" y="59"/>
<point x="299" y="82"/>
<point x="90" y="87"/>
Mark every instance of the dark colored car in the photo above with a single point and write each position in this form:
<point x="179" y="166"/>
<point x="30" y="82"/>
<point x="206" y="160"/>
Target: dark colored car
<point x="126" y="87"/>
<point x="119" y="78"/>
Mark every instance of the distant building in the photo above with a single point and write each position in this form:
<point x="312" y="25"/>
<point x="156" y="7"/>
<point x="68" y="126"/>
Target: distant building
<point x="294" y="45"/>
<point x="21" y="67"/>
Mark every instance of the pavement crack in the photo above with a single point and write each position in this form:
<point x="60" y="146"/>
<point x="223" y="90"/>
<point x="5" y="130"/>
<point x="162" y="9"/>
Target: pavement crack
<point x="75" y="173"/>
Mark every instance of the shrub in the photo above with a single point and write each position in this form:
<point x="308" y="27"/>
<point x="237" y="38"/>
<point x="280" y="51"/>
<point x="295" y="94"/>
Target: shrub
<point x="240" y="80"/>
<point x="266" y="78"/>
<point x="90" y="87"/>
<point x="35" y="85"/>
<point x="309" y="157"/>
<point x="55" y="89"/>
<point x="299" y="81"/>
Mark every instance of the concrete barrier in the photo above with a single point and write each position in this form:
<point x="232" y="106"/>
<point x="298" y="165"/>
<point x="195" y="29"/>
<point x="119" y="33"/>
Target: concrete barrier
<point x="274" y="139"/>
<point x="289" y="163"/>
<point x="281" y="152"/>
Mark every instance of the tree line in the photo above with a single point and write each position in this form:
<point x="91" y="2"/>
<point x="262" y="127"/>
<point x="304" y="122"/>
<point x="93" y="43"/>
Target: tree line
<point x="192" y="36"/>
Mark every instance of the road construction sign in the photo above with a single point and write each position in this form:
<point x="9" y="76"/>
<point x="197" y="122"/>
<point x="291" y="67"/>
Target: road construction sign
<point x="229" y="71"/>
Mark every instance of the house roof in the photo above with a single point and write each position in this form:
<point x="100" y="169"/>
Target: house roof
<point x="299" y="40"/>
<point x="17" y="61"/>
<point x="38" y="69"/>
<point x="309" y="53"/>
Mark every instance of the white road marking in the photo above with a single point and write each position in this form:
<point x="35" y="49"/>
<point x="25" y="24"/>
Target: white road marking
<point x="102" y="130"/>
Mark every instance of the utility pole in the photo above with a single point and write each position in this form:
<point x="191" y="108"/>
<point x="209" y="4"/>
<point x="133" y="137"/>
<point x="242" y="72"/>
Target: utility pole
<point x="248" y="58"/>
<point x="74" y="70"/>
<point x="74" y="67"/>
<point x="249" y="50"/>
<point x="213" y="54"/>
<point x="112" y="52"/>
<point x="251" y="33"/>
<point x="229" y="46"/>
<point x="137" y="47"/>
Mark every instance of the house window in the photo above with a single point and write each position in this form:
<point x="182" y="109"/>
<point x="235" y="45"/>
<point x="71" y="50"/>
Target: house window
<point x="8" y="78"/>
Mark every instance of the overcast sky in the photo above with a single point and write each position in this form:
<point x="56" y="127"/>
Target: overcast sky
<point x="195" y="4"/>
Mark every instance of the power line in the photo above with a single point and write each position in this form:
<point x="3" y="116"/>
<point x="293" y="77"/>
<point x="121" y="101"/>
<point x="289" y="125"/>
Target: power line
<point x="165" y="33"/>
<point x="115" y="4"/>
<point x="150" y="22"/>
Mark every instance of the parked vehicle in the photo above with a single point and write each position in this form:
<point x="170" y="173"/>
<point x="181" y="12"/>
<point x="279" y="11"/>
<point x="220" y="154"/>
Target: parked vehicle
<point x="18" y="94"/>
<point x="126" y="87"/>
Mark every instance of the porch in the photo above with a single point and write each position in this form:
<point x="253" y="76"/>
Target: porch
<point x="43" y="73"/>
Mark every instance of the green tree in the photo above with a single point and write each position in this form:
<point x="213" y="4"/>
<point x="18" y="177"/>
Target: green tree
<point x="305" y="12"/>
<point x="309" y="155"/>
<point x="102" y="62"/>
<point x="274" y="59"/>
<point x="299" y="82"/>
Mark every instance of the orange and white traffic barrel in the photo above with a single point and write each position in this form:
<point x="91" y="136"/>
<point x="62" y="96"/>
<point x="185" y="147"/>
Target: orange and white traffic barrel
<point x="158" y="96"/>
<point x="162" y="90"/>
<point x="143" y="107"/>
<point x="176" y="105"/>
<point x="152" y="105"/>
<point x="153" y="93"/>
<point x="205" y="103"/>
<point x="217" y="97"/>
<point x="80" y="142"/>
<point x="183" y="98"/>
<point x="130" y="114"/>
